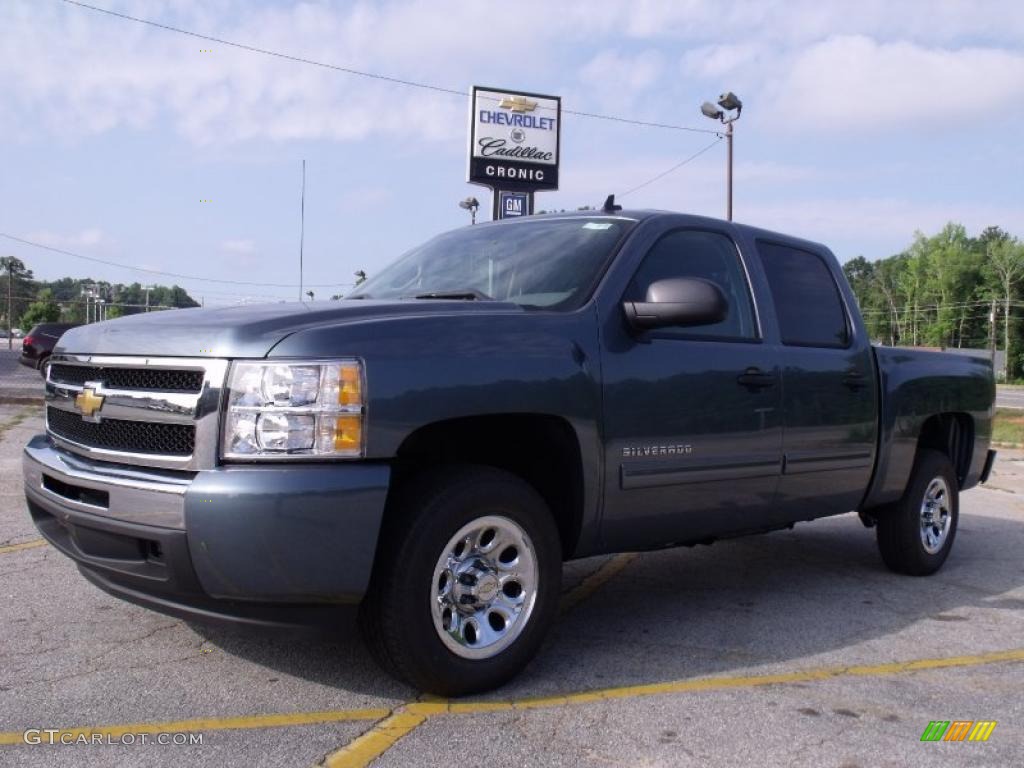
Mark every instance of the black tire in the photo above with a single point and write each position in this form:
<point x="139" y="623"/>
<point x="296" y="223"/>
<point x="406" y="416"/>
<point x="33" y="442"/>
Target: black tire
<point x="900" y="525"/>
<point x="396" y="619"/>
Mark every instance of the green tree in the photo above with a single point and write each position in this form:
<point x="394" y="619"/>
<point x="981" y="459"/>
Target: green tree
<point x="44" y="310"/>
<point x="16" y="280"/>
<point x="1006" y="259"/>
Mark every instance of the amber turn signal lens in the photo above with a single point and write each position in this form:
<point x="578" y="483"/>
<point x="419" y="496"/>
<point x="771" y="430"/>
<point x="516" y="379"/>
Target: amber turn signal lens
<point x="350" y="385"/>
<point x="348" y="432"/>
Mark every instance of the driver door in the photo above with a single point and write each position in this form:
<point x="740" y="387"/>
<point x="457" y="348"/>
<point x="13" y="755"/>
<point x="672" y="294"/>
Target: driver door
<point x="693" y="428"/>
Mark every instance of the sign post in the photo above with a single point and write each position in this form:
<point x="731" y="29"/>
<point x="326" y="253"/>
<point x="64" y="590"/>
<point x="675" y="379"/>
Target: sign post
<point x="514" y="143"/>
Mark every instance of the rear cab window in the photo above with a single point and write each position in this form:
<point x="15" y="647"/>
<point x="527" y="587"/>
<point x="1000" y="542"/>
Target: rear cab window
<point x="808" y="304"/>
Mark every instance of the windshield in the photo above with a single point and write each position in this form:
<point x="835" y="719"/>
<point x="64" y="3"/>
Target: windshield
<point x="537" y="263"/>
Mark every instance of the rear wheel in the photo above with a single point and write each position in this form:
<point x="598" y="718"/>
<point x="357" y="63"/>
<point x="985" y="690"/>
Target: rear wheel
<point x="916" y="533"/>
<point x="466" y="581"/>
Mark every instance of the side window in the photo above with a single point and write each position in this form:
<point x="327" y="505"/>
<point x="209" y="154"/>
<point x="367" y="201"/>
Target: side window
<point x="807" y="300"/>
<point x="708" y="255"/>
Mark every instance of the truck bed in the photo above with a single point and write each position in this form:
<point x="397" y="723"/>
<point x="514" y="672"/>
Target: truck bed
<point x="916" y="384"/>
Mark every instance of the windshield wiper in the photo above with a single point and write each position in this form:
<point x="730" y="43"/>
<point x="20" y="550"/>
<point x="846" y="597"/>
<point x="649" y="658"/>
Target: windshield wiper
<point x="470" y="294"/>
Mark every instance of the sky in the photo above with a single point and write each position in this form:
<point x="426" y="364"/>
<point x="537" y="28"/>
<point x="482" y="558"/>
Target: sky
<point x="862" y="123"/>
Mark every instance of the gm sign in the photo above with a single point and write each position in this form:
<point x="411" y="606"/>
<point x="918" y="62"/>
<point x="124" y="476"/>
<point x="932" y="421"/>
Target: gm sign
<point x="513" y="204"/>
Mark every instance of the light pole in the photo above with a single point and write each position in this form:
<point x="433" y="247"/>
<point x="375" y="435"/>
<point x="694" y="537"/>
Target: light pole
<point x="470" y="204"/>
<point x="727" y="102"/>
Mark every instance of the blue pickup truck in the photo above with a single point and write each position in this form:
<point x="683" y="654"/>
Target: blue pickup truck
<point x="508" y="396"/>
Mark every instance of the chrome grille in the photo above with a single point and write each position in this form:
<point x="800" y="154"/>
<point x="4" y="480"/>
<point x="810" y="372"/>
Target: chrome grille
<point x="120" y="435"/>
<point x="160" y="380"/>
<point x="156" y="412"/>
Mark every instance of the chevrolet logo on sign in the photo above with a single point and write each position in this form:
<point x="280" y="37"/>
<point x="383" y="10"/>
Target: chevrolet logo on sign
<point x="89" y="403"/>
<point x="518" y="104"/>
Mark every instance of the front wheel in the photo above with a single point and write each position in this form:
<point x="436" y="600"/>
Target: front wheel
<point x="916" y="533"/>
<point x="466" y="582"/>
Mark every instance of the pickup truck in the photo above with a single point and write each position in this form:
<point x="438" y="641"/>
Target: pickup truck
<point x="426" y="452"/>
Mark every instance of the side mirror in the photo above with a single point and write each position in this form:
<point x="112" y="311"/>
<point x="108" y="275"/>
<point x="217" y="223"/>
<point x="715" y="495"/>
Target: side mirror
<point x="678" y="301"/>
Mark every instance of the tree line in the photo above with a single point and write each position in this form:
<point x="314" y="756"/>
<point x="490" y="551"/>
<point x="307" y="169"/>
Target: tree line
<point x="947" y="290"/>
<point x="35" y="301"/>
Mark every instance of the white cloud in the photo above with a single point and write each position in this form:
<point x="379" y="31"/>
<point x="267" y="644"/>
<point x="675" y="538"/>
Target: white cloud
<point x="238" y="246"/>
<point x="609" y="71"/>
<point x="855" y="82"/>
<point x="717" y="61"/>
<point x="77" y="72"/>
<point x="68" y="240"/>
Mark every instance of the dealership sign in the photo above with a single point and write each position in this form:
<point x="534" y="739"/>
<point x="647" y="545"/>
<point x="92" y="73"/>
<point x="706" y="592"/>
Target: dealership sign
<point x="514" y="140"/>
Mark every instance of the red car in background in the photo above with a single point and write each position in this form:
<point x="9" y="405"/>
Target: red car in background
<point x="39" y="343"/>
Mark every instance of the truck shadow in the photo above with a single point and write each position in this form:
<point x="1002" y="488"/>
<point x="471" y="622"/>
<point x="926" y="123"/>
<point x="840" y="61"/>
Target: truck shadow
<point x="818" y="591"/>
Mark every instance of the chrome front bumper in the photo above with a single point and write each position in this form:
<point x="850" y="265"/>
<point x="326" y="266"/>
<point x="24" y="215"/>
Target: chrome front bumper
<point x="215" y="542"/>
<point x="61" y="481"/>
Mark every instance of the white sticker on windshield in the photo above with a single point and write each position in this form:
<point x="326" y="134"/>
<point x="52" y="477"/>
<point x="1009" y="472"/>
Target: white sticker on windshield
<point x="598" y="225"/>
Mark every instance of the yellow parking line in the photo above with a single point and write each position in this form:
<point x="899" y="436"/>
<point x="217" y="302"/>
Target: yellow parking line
<point x="216" y="724"/>
<point x="384" y="735"/>
<point x="398" y="723"/>
<point x="379" y="739"/>
<point x="749" y="681"/>
<point x="596" y="580"/>
<point x="8" y="548"/>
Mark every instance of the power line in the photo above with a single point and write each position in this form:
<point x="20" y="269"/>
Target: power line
<point x="363" y="73"/>
<point x="674" y="168"/>
<point x="161" y="272"/>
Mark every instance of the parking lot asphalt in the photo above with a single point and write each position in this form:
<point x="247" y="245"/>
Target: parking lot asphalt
<point x="17" y="382"/>
<point x="796" y="648"/>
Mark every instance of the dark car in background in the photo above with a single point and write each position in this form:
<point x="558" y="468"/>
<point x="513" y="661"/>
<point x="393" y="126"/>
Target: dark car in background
<point x="39" y="343"/>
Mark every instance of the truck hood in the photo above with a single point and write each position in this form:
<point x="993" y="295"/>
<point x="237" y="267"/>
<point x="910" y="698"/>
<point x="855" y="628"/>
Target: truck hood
<point x="246" y="331"/>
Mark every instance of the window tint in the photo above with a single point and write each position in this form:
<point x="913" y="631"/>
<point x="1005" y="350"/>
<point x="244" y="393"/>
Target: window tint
<point x="708" y="255"/>
<point x="806" y="297"/>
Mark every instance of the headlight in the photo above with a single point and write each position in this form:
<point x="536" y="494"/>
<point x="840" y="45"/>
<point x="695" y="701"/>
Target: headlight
<point x="278" y="409"/>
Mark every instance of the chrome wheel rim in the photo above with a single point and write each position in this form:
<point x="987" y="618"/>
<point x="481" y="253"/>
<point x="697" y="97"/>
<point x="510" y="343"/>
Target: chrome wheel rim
<point x="935" y="516"/>
<point x="484" y="587"/>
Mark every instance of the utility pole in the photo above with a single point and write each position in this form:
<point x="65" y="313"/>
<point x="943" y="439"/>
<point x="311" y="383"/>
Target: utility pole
<point x="10" y="306"/>
<point x="728" y="141"/>
<point x="992" y="333"/>
<point x="302" y="224"/>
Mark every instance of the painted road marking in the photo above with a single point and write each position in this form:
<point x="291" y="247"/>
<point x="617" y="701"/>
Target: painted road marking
<point x="9" y="548"/>
<point x="427" y="709"/>
<point x="375" y="742"/>
<point x="342" y="759"/>
<point x="217" y="724"/>
<point x="378" y="740"/>
<point x="596" y="580"/>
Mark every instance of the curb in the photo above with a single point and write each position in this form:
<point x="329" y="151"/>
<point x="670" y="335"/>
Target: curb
<point x="21" y="399"/>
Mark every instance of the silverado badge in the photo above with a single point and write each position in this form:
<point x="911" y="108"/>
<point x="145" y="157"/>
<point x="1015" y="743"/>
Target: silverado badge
<point x="89" y="403"/>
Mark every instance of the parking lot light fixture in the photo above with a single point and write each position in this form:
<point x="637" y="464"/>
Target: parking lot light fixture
<point x="729" y="103"/>
<point x="470" y="204"/>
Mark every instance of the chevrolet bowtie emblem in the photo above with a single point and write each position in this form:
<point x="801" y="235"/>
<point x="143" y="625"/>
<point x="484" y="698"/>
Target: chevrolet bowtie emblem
<point x="88" y="402"/>
<point x="518" y="104"/>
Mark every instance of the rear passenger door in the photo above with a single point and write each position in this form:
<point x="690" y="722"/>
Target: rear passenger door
<point x="829" y="400"/>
